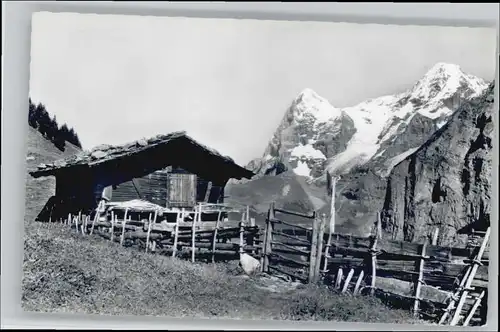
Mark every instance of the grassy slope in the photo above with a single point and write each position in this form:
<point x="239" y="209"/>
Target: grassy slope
<point x="69" y="272"/>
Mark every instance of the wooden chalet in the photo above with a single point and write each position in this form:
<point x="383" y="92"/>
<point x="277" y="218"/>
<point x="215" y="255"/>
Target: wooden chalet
<point x="172" y="171"/>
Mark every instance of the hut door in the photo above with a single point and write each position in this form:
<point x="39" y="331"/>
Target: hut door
<point x="181" y="190"/>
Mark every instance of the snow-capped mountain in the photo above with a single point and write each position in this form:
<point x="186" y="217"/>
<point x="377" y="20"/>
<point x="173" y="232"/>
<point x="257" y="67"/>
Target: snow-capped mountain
<point x="315" y="136"/>
<point x="362" y="143"/>
<point x="303" y="139"/>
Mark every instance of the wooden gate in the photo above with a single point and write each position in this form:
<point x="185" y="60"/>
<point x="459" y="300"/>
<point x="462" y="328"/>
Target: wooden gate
<point x="293" y="247"/>
<point x="181" y="190"/>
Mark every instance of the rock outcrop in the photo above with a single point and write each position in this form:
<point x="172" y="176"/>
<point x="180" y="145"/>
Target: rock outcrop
<point x="446" y="183"/>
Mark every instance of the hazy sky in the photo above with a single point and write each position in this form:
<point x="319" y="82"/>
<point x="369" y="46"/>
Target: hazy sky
<point x="226" y="82"/>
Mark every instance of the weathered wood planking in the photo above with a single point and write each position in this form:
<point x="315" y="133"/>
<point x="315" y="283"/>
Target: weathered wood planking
<point x="431" y="267"/>
<point x="276" y="257"/>
<point x="141" y="235"/>
<point x="283" y="270"/>
<point x="202" y="230"/>
<point x="152" y="187"/>
<point x="399" y="250"/>
<point x="300" y="227"/>
<point x="204" y="225"/>
<point x="435" y="273"/>
<point x="181" y="190"/>
<point x="296" y="214"/>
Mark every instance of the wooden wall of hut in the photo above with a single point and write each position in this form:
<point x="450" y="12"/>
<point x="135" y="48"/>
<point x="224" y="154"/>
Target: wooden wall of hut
<point x="154" y="188"/>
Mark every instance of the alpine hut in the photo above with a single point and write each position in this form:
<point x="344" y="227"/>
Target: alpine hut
<point x="172" y="171"/>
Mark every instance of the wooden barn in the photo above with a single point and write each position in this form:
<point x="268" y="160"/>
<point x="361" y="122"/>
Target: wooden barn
<point x="172" y="171"/>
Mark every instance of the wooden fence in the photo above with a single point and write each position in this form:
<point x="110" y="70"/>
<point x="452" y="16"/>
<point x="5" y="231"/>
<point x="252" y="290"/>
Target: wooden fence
<point x="207" y="240"/>
<point x="445" y="284"/>
<point x="290" y="245"/>
<point x="436" y="282"/>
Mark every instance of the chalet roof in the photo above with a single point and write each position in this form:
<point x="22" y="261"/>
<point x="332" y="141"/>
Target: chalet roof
<point x="105" y="153"/>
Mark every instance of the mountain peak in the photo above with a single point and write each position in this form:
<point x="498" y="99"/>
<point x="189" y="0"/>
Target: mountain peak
<point x="443" y="80"/>
<point x="443" y="68"/>
<point x="308" y="94"/>
<point x="309" y="102"/>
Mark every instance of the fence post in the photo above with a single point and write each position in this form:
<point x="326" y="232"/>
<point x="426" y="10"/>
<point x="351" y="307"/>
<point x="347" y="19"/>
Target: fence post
<point x="214" y="239"/>
<point x="321" y="236"/>
<point x="268" y="238"/>
<point x="193" y="234"/>
<point x="150" y="225"/>
<point x="84" y="224"/>
<point x="122" y="239"/>
<point x="180" y="216"/>
<point x="373" y="251"/>
<point x="251" y="234"/>
<point x="420" y="280"/>
<point x="435" y="236"/>
<point x="80" y="219"/>
<point x="263" y="252"/>
<point x="314" y="245"/>
<point x="242" y="233"/>
<point x="112" y="235"/>
<point x="327" y="252"/>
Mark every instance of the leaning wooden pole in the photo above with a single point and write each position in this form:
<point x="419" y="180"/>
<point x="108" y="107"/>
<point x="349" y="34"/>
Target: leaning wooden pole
<point x="338" y="281"/>
<point x="96" y="217"/>
<point x="358" y="282"/>
<point x="347" y="281"/>
<point x="473" y="310"/>
<point x="456" y="294"/>
<point x="476" y="263"/>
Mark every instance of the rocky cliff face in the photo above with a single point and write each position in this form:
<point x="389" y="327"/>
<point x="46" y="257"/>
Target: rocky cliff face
<point x="362" y="143"/>
<point x="446" y="183"/>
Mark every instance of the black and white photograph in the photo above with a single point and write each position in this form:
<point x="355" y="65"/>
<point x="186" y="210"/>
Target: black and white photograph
<point x="259" y="169"/>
